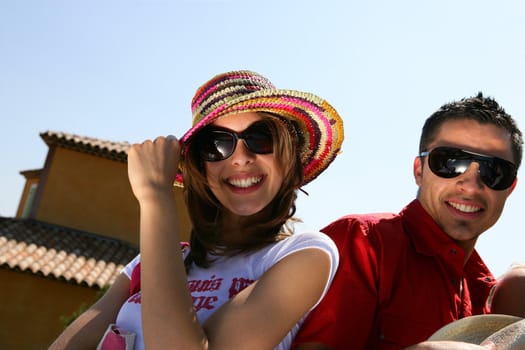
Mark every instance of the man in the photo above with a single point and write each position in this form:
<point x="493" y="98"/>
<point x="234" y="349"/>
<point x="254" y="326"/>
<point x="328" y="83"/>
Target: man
<point x="402" y="277"/>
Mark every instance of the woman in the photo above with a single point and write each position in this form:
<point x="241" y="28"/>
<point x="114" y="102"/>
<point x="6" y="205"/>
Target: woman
<point x="246" y="282"/>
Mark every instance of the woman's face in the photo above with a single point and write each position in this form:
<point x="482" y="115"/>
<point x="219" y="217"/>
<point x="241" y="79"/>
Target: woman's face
<point x="245" y="182"/>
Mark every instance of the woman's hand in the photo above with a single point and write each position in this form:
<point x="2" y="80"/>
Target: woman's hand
<point x="166" y="300"/>
<point x="152" y="166"/>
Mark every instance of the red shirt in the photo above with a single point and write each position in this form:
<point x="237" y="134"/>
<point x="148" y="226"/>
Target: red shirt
<point x="400" y="279"/>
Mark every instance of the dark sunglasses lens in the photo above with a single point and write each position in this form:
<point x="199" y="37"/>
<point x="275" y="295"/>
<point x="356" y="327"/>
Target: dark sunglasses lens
<point x="497" y="174"/>
<point x="447" y="163"/>
<point x="258" y="138"/>
<point x="216" y="145"/>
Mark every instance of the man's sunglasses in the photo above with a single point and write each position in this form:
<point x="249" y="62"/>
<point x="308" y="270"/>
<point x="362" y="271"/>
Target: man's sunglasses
<point x="448" y="162"/>
<point x="216" y="143"/>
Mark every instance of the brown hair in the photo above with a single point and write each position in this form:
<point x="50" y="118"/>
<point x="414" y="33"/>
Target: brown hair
<point x="205" y="210"/>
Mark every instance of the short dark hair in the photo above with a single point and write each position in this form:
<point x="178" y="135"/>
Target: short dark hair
<point x="482" y="109"/>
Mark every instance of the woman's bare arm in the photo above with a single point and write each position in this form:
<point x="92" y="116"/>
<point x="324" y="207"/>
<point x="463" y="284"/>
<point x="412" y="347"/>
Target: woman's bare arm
<point x="87" y="330"/>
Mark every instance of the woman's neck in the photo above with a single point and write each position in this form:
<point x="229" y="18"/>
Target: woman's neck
<point x="234" y="226"/>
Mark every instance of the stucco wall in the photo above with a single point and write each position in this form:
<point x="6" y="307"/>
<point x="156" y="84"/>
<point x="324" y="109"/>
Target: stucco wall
<point x="93" y="194"/>
<point x="31" y="307"/>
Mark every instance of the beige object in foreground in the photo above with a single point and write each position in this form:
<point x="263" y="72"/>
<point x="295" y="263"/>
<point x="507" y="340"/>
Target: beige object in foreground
<point x="507" y="332"/>
<point x="511" y="337"/>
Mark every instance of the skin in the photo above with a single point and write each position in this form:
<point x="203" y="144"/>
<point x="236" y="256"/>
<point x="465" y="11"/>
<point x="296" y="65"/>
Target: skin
<point x="464" y="207"/>
<point x="508" y="294"/>
<point x="86" y="331"/>
<point x="245" y="182"/>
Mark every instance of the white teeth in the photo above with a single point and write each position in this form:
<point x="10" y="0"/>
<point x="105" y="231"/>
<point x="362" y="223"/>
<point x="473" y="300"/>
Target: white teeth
<point x="465" y="208"/>
<point x="245" y="182"/>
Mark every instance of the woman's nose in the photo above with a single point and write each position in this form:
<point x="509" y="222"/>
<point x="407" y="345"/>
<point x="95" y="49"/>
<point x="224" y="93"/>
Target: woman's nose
<point x="242" y="155"/>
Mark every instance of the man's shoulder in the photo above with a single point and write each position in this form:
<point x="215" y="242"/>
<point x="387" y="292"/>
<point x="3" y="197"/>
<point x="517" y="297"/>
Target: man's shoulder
<point x="361" y="219"/>
<point x="369" y="225"/>
<point x="370" y="217"/>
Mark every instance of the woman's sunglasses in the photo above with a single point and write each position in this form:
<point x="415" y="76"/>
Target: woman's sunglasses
<point x="448" y="162"/>
<point x="216" y="143"/>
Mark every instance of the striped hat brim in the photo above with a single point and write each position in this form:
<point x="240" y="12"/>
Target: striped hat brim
<point x="320" y="124"/>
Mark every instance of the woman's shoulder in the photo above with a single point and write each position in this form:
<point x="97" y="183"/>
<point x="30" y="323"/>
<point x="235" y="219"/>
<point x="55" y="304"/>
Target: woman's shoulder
<point x="309" y="237"/>
<point x="304" y="240"/>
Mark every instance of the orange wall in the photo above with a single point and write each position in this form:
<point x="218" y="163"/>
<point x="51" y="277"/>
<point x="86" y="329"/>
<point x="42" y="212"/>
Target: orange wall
<point x="93" y="194"/>
<point x="31" y="307"/>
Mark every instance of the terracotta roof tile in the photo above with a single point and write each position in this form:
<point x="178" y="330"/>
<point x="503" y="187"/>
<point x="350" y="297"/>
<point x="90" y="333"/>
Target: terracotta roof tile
<point x="62" y="253"/>
<point x="103" y="148"/>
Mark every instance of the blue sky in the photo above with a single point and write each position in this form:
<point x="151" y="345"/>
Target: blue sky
<point x="127" y="70"/>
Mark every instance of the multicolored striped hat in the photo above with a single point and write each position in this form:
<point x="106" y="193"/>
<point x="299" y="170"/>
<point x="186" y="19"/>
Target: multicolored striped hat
<point x="245" y="91"/>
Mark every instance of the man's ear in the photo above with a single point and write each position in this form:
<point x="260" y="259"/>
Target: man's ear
<point x="513" y="186"/>
<point x="418" y="169"/>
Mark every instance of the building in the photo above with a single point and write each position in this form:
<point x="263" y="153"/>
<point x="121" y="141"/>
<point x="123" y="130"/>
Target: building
<point x="75" y="228"/>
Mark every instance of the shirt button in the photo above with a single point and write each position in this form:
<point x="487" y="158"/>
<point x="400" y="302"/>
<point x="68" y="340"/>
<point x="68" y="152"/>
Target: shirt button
<point x="453" y="251"/>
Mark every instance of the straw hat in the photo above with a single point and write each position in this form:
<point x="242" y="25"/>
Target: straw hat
<point x="507" y="332"/>
<point x="510" y="337"/>
<point x="318" y="122"/>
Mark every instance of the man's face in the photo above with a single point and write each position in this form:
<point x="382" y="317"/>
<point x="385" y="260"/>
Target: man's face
<point x="463" y="206"/>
